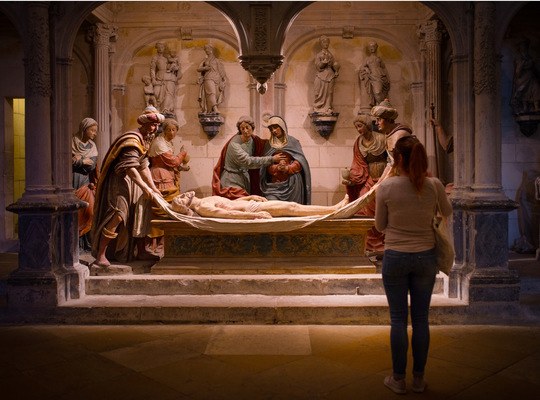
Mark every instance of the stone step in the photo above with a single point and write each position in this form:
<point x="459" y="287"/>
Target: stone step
<point x="241" y="309"/>
<point x="273" y="285"/>
<point x="264" y="266"/>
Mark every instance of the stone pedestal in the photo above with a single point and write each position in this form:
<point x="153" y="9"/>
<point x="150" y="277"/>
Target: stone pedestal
<point x="324" y="123"/>
<point x="528" y="122"/>
<point x="49" y="272"/>
<point x="484" y="275"/>
<point x="210" y="122"/>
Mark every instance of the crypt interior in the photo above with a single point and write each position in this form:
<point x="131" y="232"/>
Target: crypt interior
<point x="454" y="61"/>
<point x="224" y="320"/>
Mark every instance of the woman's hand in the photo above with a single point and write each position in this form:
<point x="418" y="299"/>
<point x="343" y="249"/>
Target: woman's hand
<point x="276" y="158"/>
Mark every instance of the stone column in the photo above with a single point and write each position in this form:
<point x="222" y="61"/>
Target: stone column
<point x="102" y="35"/>
<point x="62" y="124"/>
<point x="485" y="278"/>
<point x="69" y="272"/>
<point x="254" y="105"/>
<point x="464" y="137"/>
<point x="39" y="185"/>
<point x="487" y="177"/>
<point x="279" y="98"/>
<point x="432" y="35"/>
<point x="418" y="92"/>
<point x="34" y="283"/>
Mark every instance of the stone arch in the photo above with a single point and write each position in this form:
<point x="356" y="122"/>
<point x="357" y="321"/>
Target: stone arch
<point x="506" y="19"/>
<point x="71" y="17"/>
<point x="15" y="14"/>
<point x="452" y="16"/>
<point x="236" y="15"/>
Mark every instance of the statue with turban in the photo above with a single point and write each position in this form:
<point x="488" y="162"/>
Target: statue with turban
<point x="385" y="117"/>
<point x="125" y="188"/>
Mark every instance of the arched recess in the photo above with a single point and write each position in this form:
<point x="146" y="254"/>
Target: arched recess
<point x="520" y="125"/>
<point x="378" y="33"/>
<point x="70" y="17"/>
<point x="121" y="65"/>
<point x="453" y="16"/>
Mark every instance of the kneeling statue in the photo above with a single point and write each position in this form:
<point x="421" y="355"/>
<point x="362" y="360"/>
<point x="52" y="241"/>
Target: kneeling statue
<point x="248" y="207"/>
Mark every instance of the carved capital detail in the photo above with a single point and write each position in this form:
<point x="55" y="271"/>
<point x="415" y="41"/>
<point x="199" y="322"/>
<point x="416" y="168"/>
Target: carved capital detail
<point x="103" y="34"/>
<point x="261" y="67"/>
<point x="431" y="31"/>
<point x="485" y="58"/>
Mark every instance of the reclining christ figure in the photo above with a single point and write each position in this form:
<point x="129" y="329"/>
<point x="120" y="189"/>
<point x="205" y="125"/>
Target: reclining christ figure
<point x="249" y="207"/>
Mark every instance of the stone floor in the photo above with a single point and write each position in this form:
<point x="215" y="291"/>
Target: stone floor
<point x="258" y="362"/>
<point x="264" y="361"/>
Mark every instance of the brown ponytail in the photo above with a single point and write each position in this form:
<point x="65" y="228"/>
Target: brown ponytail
<point x="414" y="159"/>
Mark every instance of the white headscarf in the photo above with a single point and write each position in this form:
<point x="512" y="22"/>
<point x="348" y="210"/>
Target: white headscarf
<point x="88" y="149"/>
<point x="274" y="141"/>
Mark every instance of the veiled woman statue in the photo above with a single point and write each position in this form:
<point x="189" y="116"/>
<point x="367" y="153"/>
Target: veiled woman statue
<point x="212" y="82"/>
<point x="85" y="175"/>
<point x="374" y="82"/>
<point x="327" y="72"/>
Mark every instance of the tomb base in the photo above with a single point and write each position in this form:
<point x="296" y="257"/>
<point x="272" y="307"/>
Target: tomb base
<point x="329" y="246"/>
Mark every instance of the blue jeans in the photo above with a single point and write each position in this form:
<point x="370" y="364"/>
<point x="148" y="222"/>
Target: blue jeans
<point x="405" y="273"/>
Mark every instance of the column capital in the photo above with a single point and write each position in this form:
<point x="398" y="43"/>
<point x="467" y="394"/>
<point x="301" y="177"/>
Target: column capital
<point x="101" y="35"/>
<point x="431" y="31"/>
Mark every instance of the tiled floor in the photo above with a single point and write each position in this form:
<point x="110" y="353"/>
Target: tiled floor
<point x="264" y="362"/>
<point x="258" y="362"/>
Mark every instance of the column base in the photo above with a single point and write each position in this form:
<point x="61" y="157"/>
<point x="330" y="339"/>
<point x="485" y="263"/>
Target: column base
<point x="49" y="272"/>
<point x="491" y="285"/>
<point x="29" y="290"/>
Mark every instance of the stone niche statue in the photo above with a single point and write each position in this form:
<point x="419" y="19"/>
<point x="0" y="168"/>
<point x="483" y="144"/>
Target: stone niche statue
<point x="149" y="94"/>
<point x="164" y="75"/>
<point x="526" y="82"/>
<point x="527" y="195"/>
<point x="373" y="78"/>
<point x="212" y="82"/>
<point x="327" y="72"/>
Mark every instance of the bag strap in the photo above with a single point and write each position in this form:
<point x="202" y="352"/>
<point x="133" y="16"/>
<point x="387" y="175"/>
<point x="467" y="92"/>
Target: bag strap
<point x="437" y="206"/>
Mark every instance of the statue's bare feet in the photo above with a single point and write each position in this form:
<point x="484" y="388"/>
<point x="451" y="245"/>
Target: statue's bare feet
<point x="102" y="262"/>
